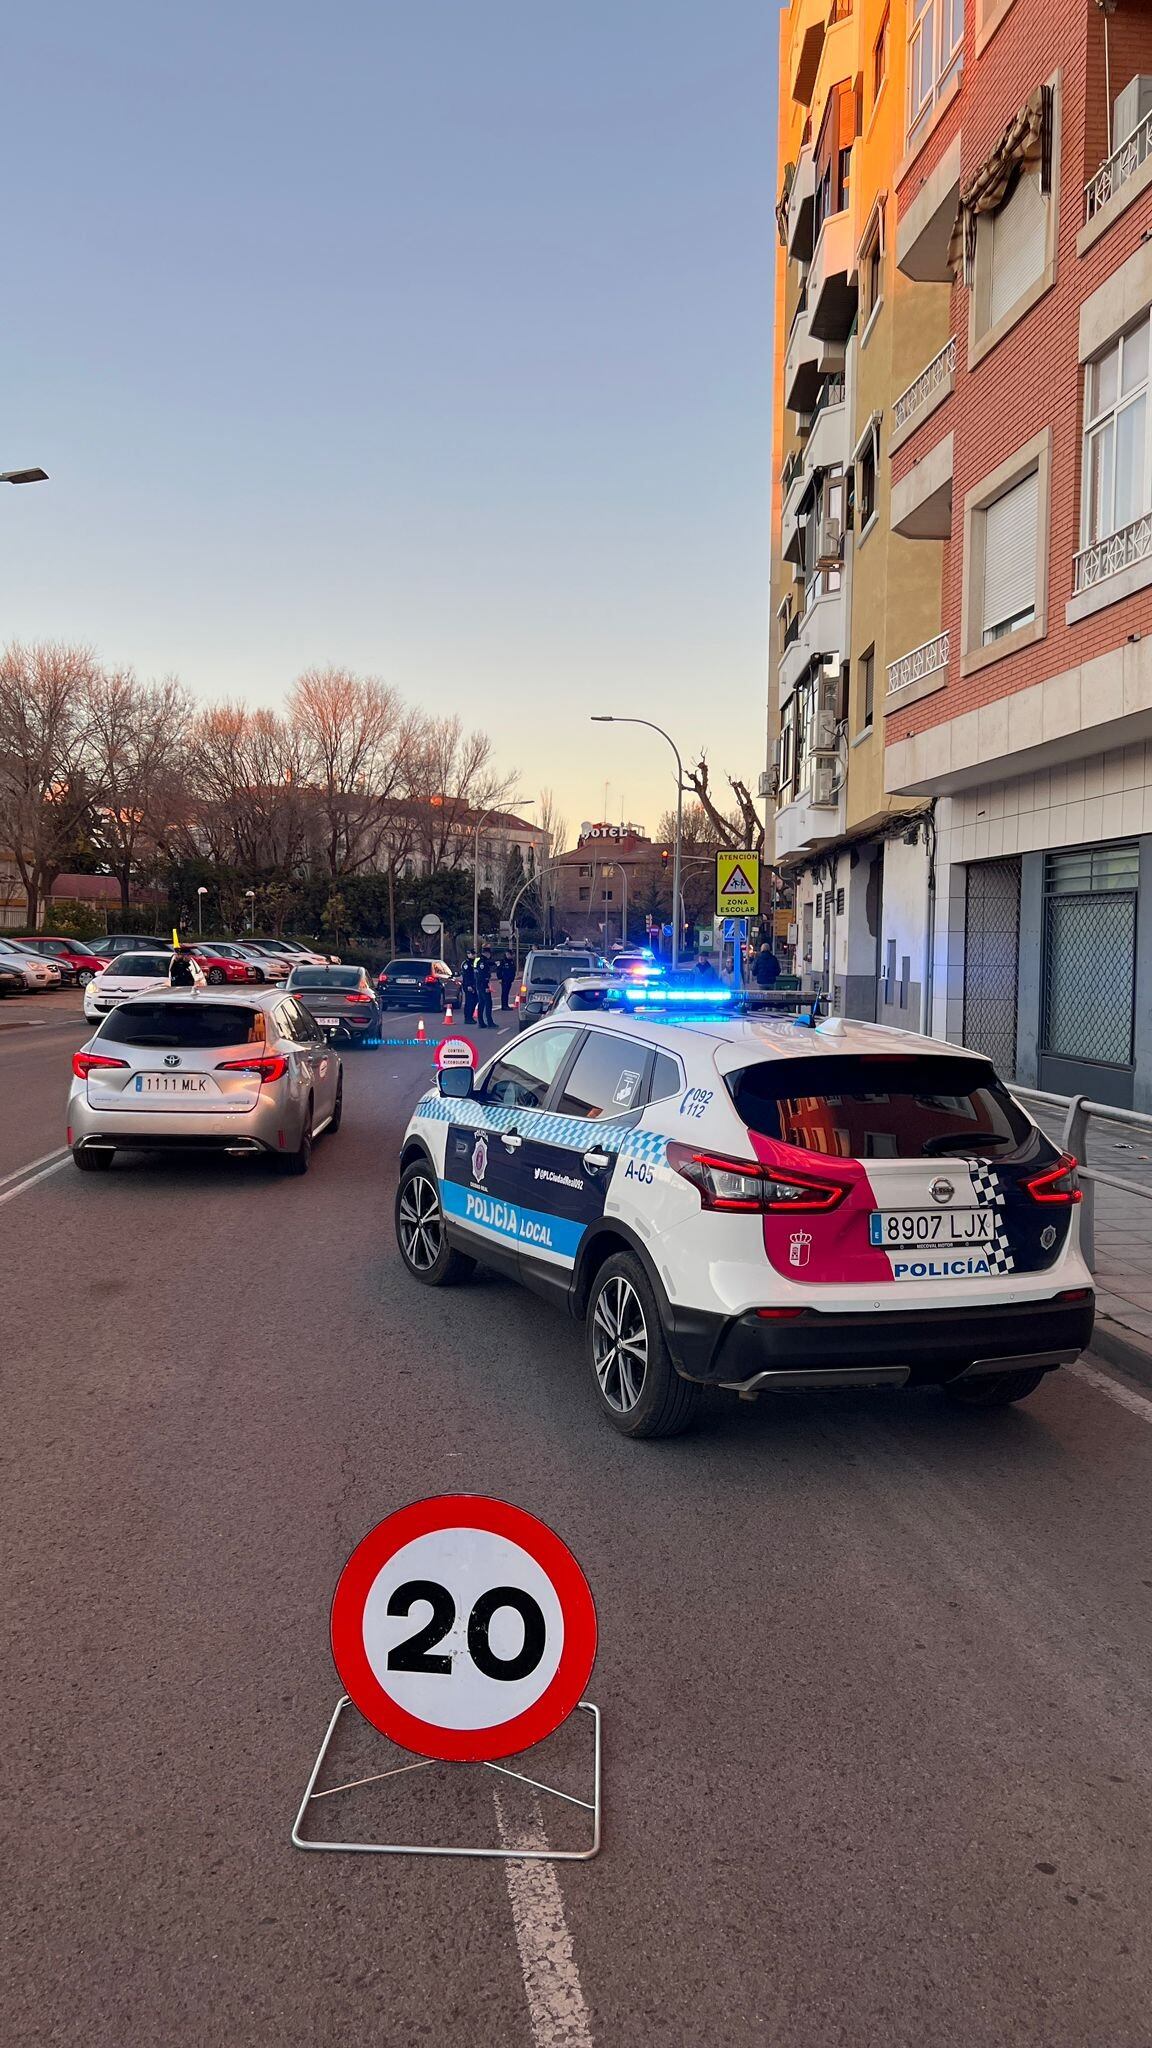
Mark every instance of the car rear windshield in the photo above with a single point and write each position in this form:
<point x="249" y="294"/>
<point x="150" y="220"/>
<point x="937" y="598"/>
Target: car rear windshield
<point x="325" y="977"/>
<point x="548" y="970"/>
<point x="204" y="1026"/>
<point x="882" y="1106"/>
<point x="408" y="967"/>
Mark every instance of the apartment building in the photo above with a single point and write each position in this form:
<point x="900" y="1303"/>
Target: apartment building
<point x="1012" y="467"/>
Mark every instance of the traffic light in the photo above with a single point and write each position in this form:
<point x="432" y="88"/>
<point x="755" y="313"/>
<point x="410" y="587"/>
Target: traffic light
<point x="664" y="858"/>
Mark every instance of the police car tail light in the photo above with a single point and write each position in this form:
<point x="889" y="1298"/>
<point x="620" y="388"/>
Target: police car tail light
<point x="83" y="1063"/>
<point x="741" y="1185"/>
<point x="273" y="1068"/>
<point x="1058" y="1185"/>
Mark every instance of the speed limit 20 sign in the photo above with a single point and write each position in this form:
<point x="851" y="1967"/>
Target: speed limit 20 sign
<point x="463" y="1628"/>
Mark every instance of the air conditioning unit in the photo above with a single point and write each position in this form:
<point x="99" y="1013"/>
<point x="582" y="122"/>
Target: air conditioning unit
<point x="1132" y="106"/>
<point x="769" y="782"/>
<point x="825" y="784"/>
<point x="830" y="542"/>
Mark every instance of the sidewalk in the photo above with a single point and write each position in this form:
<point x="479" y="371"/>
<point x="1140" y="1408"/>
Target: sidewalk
<point x="1123" y="1332"/>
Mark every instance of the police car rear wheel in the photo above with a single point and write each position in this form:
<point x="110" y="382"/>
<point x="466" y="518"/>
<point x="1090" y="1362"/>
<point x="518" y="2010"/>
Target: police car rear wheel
<point x="637" y="1384"/>
<point x="420" y="1231"/>
<point x="995" y="1390"/>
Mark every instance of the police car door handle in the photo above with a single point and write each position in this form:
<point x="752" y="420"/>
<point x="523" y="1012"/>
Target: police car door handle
<point x="511" y="1140"/>
<point x="597" y="1161"/>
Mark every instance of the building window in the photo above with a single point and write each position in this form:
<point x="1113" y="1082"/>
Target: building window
<point x="833" y="156"/>
<point x="1117" y="466"/>
<point x="935" y="38"/>
<point x="1005" y="577"/>
<point x="880" y="60"/>
<point x="867" y="689"/>
<point x="867" y="459"/>
<point x="1017" y="242"/>
<point x="872" y="265"/>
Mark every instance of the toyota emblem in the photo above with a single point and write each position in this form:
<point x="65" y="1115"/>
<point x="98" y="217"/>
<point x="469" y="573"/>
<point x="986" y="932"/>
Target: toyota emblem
<point x="172" y="1059"/>
<point x="942" y="1190"/>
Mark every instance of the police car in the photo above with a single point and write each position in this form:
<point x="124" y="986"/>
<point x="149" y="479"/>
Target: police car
<point x="754" y="1202"/>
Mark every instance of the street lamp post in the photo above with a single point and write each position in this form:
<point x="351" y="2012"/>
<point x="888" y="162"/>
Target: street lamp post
<point x="250" y="900"/>
<point x="610" y="718"/>
<point x="200" y="895"/>
<point x="521" y="803"/>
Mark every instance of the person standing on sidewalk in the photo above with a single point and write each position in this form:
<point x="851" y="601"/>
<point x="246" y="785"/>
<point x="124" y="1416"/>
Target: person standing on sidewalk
<point x="507" y="977"/>
<point x="483" y="973"/>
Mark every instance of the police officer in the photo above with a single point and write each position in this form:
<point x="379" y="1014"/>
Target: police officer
<point x="483" y="975"/>
<point x="468" y="990"/>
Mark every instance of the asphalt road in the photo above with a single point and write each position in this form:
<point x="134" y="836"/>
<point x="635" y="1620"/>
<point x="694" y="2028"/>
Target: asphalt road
<point x="874" y="1672"/>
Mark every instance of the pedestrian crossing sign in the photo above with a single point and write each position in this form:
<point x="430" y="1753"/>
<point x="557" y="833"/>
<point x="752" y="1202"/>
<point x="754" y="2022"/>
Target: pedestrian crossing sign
<point x="738" y="884"/>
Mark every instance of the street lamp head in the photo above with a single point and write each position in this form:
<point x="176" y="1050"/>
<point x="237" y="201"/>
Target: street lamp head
<point x="202" y="890"/>
<point x="23" y="476"/>
<point x="603" y="717"/>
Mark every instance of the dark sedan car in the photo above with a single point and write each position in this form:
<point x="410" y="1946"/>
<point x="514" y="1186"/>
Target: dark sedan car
<point x="341" y="999"/>
<point x="412" y="984"/>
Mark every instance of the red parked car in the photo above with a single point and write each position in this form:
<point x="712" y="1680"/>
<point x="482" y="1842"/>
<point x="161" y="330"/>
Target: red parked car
<point x="74" y="955"/>
<point x="217" y="966"/>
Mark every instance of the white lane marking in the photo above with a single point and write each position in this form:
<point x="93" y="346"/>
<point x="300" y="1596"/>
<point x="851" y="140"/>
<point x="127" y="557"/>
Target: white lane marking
<point x="19" y="1171"/>
<point x="33" y="1178"/>
<point x="1125" y="1397"/>
<point x="556" y="2005"/>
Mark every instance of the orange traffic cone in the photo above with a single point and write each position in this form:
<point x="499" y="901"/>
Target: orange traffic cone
<point x="447" y="1013"/>
<point x="420" y="1032"/>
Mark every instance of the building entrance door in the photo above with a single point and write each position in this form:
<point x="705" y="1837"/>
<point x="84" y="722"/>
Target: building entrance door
<point x="1088" y="972"/>
<point x="991" y="961"/>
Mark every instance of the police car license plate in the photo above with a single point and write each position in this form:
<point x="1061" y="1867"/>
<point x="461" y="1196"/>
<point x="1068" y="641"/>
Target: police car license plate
<point x="898" y="1229"/>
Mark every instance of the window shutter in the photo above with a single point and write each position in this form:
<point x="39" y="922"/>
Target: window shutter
<point x="1010" y="552"/>
<point x="1018" y="238"/>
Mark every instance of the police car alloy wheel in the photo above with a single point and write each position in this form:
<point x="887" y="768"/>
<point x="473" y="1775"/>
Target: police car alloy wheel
<point x="420" y="1231"/>
<point x="639" y="1388"/>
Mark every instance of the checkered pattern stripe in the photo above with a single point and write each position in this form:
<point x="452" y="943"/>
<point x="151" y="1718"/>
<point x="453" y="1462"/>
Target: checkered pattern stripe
<point x="989" y="1193"/>
<point x="576" y="1133"/>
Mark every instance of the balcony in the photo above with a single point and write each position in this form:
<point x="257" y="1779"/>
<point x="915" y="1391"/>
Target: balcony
<point x="806" y="360"/>
<point x="925" y="228"/>
<point x="832" y="293"/>
<point x="794" y="659"/>
<point x="801" y="206"/>
<point x="1120" y="169"/>
<point x="936" y="382"/>
<point x="829" y="439"/>
<point x="922" y="501"/>
<point x="795" y="484"/>
<point x="1114" y="554"/>
<point x="824" y="622"/>
<point x="917" y="673"/>
<point x="816" y="815"/>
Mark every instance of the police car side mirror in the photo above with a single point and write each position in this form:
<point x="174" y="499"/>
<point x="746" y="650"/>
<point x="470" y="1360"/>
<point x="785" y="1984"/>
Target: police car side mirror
<point x="457" y="1081"/>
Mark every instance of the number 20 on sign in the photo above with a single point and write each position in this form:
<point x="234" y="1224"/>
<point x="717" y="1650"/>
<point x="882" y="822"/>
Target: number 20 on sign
<point x="463" y="1628"/>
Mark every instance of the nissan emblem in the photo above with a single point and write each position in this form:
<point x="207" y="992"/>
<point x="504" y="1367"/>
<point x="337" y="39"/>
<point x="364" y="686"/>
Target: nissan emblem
<point x="942" y="1190"/>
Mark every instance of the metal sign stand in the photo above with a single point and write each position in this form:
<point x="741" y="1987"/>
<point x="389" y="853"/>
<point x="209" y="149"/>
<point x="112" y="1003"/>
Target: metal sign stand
<point x="592" y="1806"/>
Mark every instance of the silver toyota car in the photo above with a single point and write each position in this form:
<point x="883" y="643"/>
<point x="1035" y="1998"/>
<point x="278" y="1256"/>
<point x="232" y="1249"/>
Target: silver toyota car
<point x="201" y="1070"/>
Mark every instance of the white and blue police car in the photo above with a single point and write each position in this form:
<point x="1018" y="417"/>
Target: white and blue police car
<point x="752" y="1201"/>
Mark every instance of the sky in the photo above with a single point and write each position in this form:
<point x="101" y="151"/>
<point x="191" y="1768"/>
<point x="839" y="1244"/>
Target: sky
<point x="429" y="339"/>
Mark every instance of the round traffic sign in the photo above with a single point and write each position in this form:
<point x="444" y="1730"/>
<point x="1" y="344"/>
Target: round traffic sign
<point x="463" y="1628"/>
<point x="456" y="1052"/>
<point x="429" y="922"/>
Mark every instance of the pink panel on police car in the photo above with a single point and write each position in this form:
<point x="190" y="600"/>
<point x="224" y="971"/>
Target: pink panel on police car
<point x="826" y="1248"/>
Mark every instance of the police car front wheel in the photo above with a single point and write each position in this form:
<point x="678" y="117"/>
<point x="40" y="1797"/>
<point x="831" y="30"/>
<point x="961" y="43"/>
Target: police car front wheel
<point x="637" y="1384"/>
<point x="420" y="1231"/>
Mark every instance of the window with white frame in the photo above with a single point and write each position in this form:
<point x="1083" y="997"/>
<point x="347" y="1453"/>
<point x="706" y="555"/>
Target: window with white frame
<point x="872" y="264"/>
<point x="935" y="39"/>
<point x="1009" y="529"/>
<point x="1117" y="479"/>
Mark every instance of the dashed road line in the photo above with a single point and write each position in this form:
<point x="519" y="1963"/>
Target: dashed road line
<point x="552" y="1986"/>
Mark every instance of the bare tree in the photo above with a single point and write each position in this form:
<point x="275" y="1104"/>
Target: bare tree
<point x="138" y="738"/>
<point x="47" y="786"/>
<point x="454" y="780"/>
<point x="242" y="803"/>
<point x="357" y="743"/>
<point x="745" y="827"/>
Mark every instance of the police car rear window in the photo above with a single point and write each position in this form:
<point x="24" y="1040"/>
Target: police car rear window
<point x="882" y="1106"/>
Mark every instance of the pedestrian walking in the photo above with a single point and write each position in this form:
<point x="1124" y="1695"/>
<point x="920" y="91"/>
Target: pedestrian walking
<point x="182" y="973"/>
<point x="765" y="968"/>
<point x="507" y="977"/>
<point x="468" y="991"/>
<point x="483" y="977"/>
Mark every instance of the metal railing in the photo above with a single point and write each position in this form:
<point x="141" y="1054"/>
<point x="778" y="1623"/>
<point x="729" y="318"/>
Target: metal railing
<point x="1077" y="1112"/>
<point x="922" y="388"/>
<point x="791" y="471"/>
<point x="927" y="660"/>
<point x="841" y="11"/>
<point x="831" y="392"/>
<point x="1115" y="552"/>
<point x="1116" y="170"/>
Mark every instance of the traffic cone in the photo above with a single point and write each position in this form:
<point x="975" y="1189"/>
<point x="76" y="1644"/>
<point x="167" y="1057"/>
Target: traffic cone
<point x="447" y="1013"/>
<point x="420" y="1032"/>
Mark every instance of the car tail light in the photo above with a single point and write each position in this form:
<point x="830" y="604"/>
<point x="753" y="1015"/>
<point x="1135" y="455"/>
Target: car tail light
<point x="358" y="999"/>
<point x="272" y="1068"/>
<point x="84" y="1062"/>
<point x="1058" y="1186"/>
<point x="381" y="981"/>
<point x="429" y="981"/>
<point x="779" y="1315"/>
<point x="744" y="1186"/>
<point x="1075" y="1294"/>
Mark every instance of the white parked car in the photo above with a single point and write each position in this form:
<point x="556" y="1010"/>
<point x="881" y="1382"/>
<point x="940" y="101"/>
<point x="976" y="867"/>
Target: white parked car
<point x="38" y="974"/>
<point x="134" y="974"/>
<point x="753" y="1202"/>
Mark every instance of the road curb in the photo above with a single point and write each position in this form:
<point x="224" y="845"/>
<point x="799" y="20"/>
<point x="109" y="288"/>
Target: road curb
<point x="1123" y="1348"/>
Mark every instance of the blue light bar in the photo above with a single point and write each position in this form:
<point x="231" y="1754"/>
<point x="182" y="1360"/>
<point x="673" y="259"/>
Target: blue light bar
<point x="671" y="997"/>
